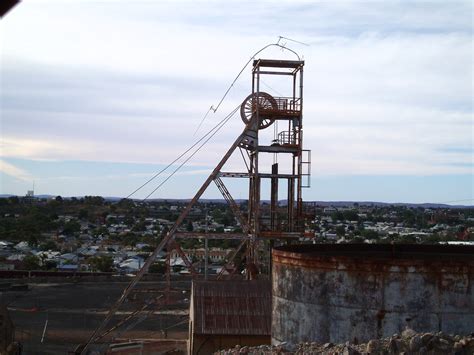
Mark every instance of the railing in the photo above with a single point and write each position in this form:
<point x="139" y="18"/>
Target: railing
<point x="286" y="137"/>
<point x="283" y="105"/>
<point x="306" y="168"/>
<point x="287" y="104"/>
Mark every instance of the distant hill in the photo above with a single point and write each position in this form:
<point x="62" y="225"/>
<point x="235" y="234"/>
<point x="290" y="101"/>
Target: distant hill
<point x="282" y="202"/>
<point x="382" y="204"/>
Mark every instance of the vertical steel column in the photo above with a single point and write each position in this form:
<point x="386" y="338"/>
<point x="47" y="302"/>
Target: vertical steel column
<point x="251" y="188"/>
<point x="206" y="257"/>
<point x="299" y="197"/>
<point x="274" y="198"/>
<point x="256" y="124"/>
<point x="291" y="204"/>
<point x="251" y="173"/>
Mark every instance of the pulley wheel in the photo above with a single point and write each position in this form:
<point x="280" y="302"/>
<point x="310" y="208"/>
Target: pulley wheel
<point x="265" y="102"/>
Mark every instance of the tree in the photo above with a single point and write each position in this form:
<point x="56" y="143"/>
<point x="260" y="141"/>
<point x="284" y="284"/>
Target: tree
<point x="140" y="226"/>
<point x="351" y="215"/>
<point x="126" y="203"/>
<point x="32" y="240"/>
<point x="49" y="245"/>
<point x="130" y="239"/>
<point x="49" y="265"/>
<point x="337" y="216"/>
<point x="147" y="249"/>
<point x="71" y="227"/>
<point x="83" y="213"/>
<point x="340" y="231"/>
<point x="94" y="200"/>
<point x="14" y="200"/>
<point x="369" y="234"/>
<point x="189" y="226"/>
<point x="31" y="262"/>
<point x="101" y="263"/>
<point x="157" y="268"/>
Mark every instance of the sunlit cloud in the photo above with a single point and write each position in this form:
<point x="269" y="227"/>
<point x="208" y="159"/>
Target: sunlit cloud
<point x="17" y="173"/>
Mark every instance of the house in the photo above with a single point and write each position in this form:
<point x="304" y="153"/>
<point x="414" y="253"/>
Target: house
<point x="16" y="257"/>
<point x="23" y="246"/>
<point x="142" y="245"/>
<point x="132" y="264"/>
<point x="329" y="210"/>
<point x="227" y="313"/>
<point x="68" y="267"/>
<point x="47" y="256"/>
<point x="68" y="258"/>
<point x="5" y="245"/>
<point x="87" y="251"/>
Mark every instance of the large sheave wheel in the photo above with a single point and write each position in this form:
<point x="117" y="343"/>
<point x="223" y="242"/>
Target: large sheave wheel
<point x="266" y="103"/>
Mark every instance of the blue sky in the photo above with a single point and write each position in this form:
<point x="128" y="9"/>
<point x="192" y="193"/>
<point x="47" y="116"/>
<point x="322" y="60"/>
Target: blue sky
<point x="96" y="96"/>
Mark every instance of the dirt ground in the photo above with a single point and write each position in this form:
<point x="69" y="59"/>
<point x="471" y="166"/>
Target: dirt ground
<point x="53" y="318"/>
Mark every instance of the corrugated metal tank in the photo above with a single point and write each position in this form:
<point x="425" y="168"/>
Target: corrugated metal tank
<point x="338" y="293"/>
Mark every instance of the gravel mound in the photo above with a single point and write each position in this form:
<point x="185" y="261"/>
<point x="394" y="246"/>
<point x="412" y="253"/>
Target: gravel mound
<point x="408" y="343"/>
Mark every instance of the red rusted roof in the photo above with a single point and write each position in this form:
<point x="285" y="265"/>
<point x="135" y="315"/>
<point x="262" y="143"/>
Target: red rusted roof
<point x="233" y="307"/>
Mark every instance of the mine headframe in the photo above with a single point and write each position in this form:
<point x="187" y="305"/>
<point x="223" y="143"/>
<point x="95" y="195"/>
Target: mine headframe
<point x="260" y="111"/>
<point x="263" y="221"/>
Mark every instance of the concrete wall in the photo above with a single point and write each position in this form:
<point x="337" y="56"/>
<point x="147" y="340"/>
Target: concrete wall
<point x="336" y="293"/>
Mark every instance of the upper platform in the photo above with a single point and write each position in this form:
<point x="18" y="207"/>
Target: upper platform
<point x="274" y="63"/>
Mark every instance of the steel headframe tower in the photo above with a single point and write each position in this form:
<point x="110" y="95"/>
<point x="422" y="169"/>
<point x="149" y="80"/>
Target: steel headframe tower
<point x="259" y="111"/>
<point x="262" y="110"/>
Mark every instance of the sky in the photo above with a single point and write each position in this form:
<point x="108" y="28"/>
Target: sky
<point x="98" y="96"/>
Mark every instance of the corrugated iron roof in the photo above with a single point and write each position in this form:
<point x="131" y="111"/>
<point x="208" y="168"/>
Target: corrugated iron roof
<point x="233" y="307"/>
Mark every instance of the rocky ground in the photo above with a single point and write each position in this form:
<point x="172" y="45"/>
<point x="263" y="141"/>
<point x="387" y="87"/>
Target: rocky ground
<point x="408" y="342"/>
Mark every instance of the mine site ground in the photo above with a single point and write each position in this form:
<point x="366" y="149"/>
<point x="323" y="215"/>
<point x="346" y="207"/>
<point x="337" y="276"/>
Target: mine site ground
<point x="72" y="310"/>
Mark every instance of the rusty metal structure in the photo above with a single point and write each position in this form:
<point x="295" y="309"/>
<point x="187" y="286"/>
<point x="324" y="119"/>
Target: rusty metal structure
<point x="223" y="314"/>
<point x="6" y="6"/>
<point x="259" y="111"/>
<point x="357" y="292"/>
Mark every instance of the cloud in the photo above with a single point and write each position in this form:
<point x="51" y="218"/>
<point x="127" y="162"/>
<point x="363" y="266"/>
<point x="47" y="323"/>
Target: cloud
<point x="388" y="87"/>
<point x="17" y="173"/>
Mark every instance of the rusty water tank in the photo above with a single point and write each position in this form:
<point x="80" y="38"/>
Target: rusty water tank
<point x="347" y="292"/>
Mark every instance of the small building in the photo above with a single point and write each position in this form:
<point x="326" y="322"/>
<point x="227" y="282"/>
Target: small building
<point x="224" y="314"/>
<point x="7" y="266"/>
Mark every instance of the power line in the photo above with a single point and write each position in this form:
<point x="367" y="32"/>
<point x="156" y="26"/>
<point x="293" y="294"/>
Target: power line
<point x="214" y="109"/>
<point x="228" y="117"/>
<point x="277" y="44"/>
<point x="292" y="40"/>
<point x="177" y="158"/>
<point x="273" y="89"/>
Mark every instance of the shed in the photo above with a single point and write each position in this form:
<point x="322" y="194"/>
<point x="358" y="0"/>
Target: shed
<point x="228" y="313"/>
